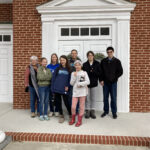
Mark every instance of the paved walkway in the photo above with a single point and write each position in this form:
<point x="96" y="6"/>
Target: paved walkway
<point x="127" y="124"/>
<point x="56" y="146"/>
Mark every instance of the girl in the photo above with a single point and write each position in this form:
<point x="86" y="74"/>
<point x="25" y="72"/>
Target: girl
<point x="60" y="86"/>
<point x="79" y="81"/>
<point x="92" y="67"/>
<point x="52" y="66"/>
<point x="44" y="76"/>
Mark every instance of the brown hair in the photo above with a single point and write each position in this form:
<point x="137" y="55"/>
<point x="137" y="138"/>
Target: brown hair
<point x="56" y="56"/>
<point x="67" y="63"/>
<point x="43" y="58"/>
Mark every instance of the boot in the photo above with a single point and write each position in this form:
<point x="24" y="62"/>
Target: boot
<point x="92" y="114"/>
<point x="61" y="119"/>
<point x="72" y="120"/>
<point x="79" y="121"/>
<point x="87" y="114"/>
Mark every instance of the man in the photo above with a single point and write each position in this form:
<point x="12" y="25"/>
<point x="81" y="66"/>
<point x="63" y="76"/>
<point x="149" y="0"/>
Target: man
<point x="74" y="57"/>
<point x="111" y="70"/>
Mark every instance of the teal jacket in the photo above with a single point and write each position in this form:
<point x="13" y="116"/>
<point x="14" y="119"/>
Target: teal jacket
<point x="42" y="77"/>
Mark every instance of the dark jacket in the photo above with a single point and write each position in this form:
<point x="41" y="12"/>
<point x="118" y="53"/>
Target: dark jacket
<point x="60" y="80"/>
<point x="111" y="69"/>
<point x="71" y="61"/>
<point x="94" y="72"/>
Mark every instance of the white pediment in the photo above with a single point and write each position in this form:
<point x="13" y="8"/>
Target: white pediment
<point x="61" y="6"/>
<point x="82" y="3"/>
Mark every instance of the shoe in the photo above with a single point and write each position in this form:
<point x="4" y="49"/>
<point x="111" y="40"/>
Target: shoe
<point x="61" y="119"/>
<point x="41" y="118"/>
<point x="56" y="114"/>
<point x="46" y="117"/>
<point x="51" y="114"/>
<point x="114" y="116"/>
<point x="38" y="114"/>
<point x="79" y="123"/>
<point x="92" y="114"/>
<point x="87" y="114"/>
<point x="104" y="114"/>
<point x="72" y="121"/>
<point x="33" y="115"/>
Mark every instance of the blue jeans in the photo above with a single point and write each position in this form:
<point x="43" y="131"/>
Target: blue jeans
<point x="33" y="99"/>
<point x="44" y="98"/>
<point x="51" y="104"/>
<point x="70" y="99"/>
<point x="110" y="88"/>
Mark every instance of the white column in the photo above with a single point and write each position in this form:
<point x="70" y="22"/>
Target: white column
<point x="123" y="53"/>
<point x="48" y="38"/>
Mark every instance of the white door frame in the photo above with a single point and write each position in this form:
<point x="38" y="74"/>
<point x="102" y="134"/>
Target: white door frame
<point x="117" y="11"/>
<point x="8" y="29"/>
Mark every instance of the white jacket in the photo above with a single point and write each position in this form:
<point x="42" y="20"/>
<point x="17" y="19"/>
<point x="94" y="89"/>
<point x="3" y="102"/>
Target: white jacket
<point x="80" y="83"/>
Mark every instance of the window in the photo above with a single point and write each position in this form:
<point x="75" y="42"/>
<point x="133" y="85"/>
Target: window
<point x="6" y="38"/>
<point x="0" y="38"/>
<point x="65" y="32"/>
<point x="74" y="31"/>
<point x="94" y="31"/>
<point x="84" y="31"/>
<point x="104" y="31"/>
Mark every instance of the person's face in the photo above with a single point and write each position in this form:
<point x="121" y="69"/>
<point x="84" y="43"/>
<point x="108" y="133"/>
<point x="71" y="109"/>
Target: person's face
<point x="44" y="63"/>
<point x="54" y="59"/>
<point x="78" y="67"/>
<point x="34" y="62"/>
<point x="63" y="61"/>
<point x="74" y="54"/>
<point x="110" y="53"/>
<point x="90" y="57"/>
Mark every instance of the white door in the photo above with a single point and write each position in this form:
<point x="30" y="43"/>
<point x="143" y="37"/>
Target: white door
<point x="6" y="76"/>
<point x="97" y="46"/>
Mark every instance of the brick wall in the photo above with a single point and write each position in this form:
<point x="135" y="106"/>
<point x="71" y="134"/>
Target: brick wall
<point x="5" y="13"/>
<point x="27" y="42"/>
<point x="140" y="57"/>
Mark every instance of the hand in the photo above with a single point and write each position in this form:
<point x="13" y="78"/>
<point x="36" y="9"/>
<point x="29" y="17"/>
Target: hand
<point x="66" y="89"/>
<point x="75" y="74"/>
<point x="102" y="83"/>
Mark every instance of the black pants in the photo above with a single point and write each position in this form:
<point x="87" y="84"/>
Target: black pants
<point x="59" y="103"/>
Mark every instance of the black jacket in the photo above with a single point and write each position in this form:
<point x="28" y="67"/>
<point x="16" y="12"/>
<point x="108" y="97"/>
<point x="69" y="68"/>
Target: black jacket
<point x="94" y="72"/>
<point x="111" y="70"/>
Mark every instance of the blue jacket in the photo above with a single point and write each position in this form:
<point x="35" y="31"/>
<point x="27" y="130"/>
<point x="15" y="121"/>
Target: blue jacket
<point x="60" y="80"/>
<point x="52" y="67"/>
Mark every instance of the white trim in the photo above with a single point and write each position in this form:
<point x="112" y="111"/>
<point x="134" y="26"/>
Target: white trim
<point x="114" y="12"/>
<point x="8" y="28"/>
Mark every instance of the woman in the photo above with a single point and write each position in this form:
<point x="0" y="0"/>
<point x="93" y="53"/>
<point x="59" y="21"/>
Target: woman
<point x="60" y="86"/>
<point x="31" y="84"/>
<point x="92" y="67"/>
<point x="44" y="76"/>
<point x="52" y="66"/>
<point x="79" y="81"/>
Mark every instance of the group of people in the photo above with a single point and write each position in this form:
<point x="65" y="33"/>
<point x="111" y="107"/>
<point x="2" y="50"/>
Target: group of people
<point x="73" y="82"/>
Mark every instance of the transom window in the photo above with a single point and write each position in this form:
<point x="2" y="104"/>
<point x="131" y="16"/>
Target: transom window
<point x="84" y="31"/>
<point x="5" y="38"/>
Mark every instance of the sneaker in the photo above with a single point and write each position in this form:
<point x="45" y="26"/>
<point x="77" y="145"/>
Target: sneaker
<point x="46" y="117"/>
<point x="56" y="114"/>
<point x="51" y="114"/>
<point x="104" y="114"/>
<point x="92" y="114"/>
<point x="41" y="118"/>
<point x="61" y="119"/>
<point x="114" y="116"/>
<point x="87" y="114"/>
<point x="33" y="115"/>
